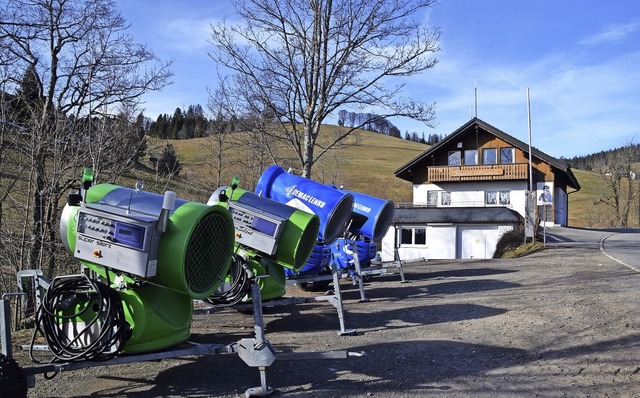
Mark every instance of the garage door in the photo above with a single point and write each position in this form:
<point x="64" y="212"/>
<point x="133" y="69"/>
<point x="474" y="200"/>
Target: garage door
<point x="477" y="242"/>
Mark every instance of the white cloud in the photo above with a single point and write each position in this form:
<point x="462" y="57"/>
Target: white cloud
<point x="187" y="35"/>
<point x="578" y="106"/>
<point x="612" y="33"/>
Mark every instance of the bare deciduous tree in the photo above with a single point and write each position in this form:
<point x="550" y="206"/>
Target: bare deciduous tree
<point x="76" y="79"/>
<point x="245" y="132"/>
<point x="218" y="142"/>
<point x="299" y="61"/>
<point x="618" y="171"/>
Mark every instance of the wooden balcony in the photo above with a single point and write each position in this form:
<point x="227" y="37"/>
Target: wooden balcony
<point x="485" y="172"/>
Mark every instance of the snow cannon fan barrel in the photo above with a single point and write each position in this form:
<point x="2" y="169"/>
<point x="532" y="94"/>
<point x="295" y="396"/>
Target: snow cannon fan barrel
<point x="372" y="216"/>
<point x="332" y="206"/>
<point x="184" y="246"/>
<point x="277" y="232"/>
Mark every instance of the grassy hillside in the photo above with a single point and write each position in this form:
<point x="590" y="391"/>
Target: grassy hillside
<point x="583" y="211"/>
<point x="365" y="164"/>
<point x="581" y="203"/>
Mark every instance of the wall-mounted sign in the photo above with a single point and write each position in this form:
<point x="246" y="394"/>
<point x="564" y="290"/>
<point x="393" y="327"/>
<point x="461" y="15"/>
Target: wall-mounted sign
<point x="545" y="193"/>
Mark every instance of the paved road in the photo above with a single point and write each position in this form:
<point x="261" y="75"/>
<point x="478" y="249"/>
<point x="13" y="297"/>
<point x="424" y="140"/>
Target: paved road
<point x="622" y="245"/>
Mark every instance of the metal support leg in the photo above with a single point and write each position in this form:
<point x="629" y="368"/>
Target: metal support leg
<point x="396" y="257"/>
<point x="337" y="300"/>
<point x="257" y="352"/>
<point x="5" y="327"/>
<point x="356" y="260"/>
<point x="5" y="323"/>
<point x="258" y="318"/>
<point x="402" y="278"/>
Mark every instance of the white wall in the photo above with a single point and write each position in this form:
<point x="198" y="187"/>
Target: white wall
<point x="472" y="194"/>
<point x="441" y="241"/>
<point x="388" y="244"/>
<point x="405" y="252"/>
<point x="448" y="242"/>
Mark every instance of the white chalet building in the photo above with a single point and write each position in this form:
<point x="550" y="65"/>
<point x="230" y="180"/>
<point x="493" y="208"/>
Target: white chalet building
<point x="469" y="189"/>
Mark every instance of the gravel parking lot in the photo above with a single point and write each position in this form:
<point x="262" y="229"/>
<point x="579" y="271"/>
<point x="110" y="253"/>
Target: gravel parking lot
<point x="560" y="322"/>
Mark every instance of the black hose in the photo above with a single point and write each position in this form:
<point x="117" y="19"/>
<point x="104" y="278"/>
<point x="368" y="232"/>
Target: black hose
<point x="241" y="279"/>
<point x="81" y="319"/>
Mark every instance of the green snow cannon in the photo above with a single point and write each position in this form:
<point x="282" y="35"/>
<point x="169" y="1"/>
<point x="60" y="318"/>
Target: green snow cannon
<point x="158" y="252"/>
<point x="269" y="235"/>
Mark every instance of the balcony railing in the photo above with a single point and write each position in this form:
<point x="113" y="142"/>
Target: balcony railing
<point x="485" y="172"/>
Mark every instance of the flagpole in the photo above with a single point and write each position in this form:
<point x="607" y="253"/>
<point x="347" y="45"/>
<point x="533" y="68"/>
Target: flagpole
<point x="530" y="156"/>
<point x="475" y="97"/>
<point x="531" y="199"/>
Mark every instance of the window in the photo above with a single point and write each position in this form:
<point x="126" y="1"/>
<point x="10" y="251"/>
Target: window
<point x="454" y="158"/>
<point x="413" y="236"/>
<point x="406" y="236"/>
<point x="432" y="198"/>
<point x="498" y="197"/>
<point x="445" y="198"/>
<point x="507" y="155"/>
<point x="491" y="197"/>
<point x="470" y="157"/>
<point x="489" y="156"/>
<point x="504" y="197"/>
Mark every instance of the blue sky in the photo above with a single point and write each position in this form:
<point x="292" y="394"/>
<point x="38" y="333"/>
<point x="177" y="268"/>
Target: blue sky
<point x="579" y="59"/>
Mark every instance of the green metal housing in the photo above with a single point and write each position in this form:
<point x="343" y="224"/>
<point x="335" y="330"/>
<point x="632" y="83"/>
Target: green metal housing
<point x="193" y="259"/>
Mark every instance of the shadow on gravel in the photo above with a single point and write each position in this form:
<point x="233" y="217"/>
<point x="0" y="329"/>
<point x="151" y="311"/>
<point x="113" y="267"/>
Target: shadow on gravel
<point x="459" y="287"/>
<point x="296" y="321"/>
<point x="461" y="273"/>
<point x="415" y="368"/>
<point x="627" y="343"/>
<point x="391" y="306"/>
<point x="393" y="292"/>
<point x="410" y="367"/>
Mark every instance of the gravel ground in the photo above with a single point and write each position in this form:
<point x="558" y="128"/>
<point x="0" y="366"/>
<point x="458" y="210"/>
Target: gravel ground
<point x="560" y="322"/>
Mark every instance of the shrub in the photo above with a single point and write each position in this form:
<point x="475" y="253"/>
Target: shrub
<point x="510" y="240"/>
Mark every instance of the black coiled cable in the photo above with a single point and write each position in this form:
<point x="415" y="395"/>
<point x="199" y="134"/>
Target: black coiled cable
<point x="81" y="319"/>
<point x="241" y="277"/>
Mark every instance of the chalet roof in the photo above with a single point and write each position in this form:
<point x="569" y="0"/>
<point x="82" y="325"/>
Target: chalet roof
<point x="404" y="171"/>
<point x="422" y="215"/>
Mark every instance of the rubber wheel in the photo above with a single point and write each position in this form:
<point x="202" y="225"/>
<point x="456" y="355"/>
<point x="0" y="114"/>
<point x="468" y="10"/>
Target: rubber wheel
<point x="13" y="382"/>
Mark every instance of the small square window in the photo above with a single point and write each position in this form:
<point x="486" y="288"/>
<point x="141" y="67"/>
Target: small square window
<point x="406" y="236"/>
<point x="504" y="197"/>
<point x="491" y="197"/>
<point x="413" y="236"/>
<point x="445" y="198"/>
<point x="507" y="155"/>
<point x="489" y="156"/>
<point x="432" y="198"/>
<point x="471" y="157"/>
<point x="454" y="158"/>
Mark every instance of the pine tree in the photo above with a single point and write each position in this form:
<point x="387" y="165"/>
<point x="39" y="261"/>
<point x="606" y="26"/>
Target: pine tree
<point x="177" y="123"/>
<point x="168" y="162"/>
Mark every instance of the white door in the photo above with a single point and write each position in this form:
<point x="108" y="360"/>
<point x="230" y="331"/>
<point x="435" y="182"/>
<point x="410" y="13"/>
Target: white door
<point x="476" y="242"/>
